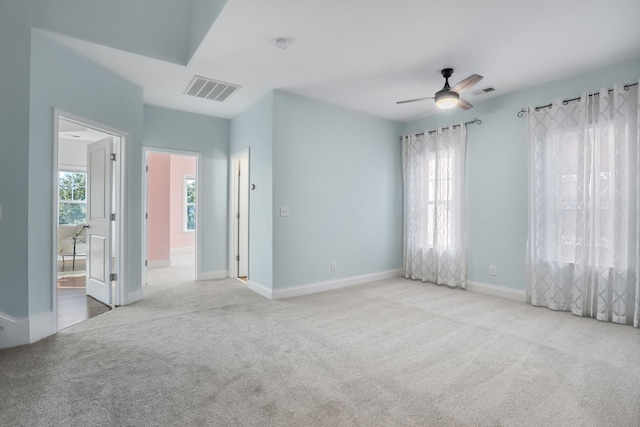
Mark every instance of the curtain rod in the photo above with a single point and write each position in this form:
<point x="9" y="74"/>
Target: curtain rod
<point x="431" y="132"/>
<point x="523" y="111"/>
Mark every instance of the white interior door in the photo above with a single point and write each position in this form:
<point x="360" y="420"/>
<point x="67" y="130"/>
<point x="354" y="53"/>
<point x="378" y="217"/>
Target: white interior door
<point x="243" y="223"/>
<point x="98" y="220"/>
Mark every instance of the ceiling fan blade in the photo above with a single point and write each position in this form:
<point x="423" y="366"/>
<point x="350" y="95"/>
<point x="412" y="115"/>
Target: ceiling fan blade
<point x="463" y="104"/>
<point x="414" y="100"/>
<point x="466" y="83"/>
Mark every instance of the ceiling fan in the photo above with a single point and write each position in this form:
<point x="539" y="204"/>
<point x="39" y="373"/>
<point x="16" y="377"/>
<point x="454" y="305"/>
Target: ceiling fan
<point x="449" y="97"/>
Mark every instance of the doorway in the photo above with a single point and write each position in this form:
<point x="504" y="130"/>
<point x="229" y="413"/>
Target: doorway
<point x="171" y="213"/>
<point x="87" y="219"/>
<point x="239" y="216"/>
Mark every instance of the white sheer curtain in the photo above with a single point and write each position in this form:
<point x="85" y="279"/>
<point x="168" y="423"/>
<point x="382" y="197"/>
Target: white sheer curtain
<point x="582" y="250"/>
<point x="434" y="224"/>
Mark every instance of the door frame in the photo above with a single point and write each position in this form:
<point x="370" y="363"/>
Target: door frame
<point x="233" y="191"/>
<point x="145" y="187"/>
<point x="120" y="140"/>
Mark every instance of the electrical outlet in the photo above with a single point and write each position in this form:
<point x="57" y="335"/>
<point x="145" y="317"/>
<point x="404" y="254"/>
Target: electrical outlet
<point x="334" y="266"/>
<point x="492" y="270"/>
<point x="284" y="211"/>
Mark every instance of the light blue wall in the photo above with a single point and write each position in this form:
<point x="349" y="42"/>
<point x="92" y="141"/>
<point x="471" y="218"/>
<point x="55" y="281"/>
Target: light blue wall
<point x="63" y="79"/>
<point x="38" y="75"/>
<point x="254" y="128"/>
<point x="340" y="174"/>
<point x="172" y="129"/>
<point x="202" y="15"/>
<point x="154" y="28"/>
<point x="15" y="42"/>
<point x="496" y="174"/>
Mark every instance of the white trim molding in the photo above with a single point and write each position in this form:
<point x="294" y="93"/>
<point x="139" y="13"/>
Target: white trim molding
<point x="213" y="275"/>
<point x="183" y="250"/>
<point x="312" y="288"/>
<point x="497" y="291"/>
<point x="42" y="326"/>
<point x="132" y="296"/>
<point x="159" y="263"/>
<point x="13" y="331"/>
<point x="260" y="289"/>
<point x="25" y="330"/>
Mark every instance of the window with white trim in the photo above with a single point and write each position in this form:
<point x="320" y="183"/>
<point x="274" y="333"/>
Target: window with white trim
<point x="72" y="197"/>
<point x="439" y="201"/>
<point x="189" y="210"/>
<point x="587" y="191"/>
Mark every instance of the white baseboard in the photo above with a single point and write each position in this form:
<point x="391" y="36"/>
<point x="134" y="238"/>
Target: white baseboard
<point x="13" y="331"/>
<point x="159" y="263"/>
<point x="185" y="250"/>
<point x="213" y="275"/>
<point x="132" y="296"/>
<point x="260" y="289"/>
<point x="498" y="291"/>
<point x="42" y="326"/>
<point x="312" y="288"/>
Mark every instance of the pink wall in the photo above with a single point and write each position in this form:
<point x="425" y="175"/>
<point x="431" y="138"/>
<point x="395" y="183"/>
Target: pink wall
<point x="158" y="201"/>
<point x="180" y="166"/>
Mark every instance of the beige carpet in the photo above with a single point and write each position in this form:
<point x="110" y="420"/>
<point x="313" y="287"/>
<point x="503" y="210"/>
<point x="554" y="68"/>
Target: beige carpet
<point x="391" y="353"/>
<point x="181" y="270"/>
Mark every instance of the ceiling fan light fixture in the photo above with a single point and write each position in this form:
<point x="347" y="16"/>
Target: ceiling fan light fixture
<point x="446" y="100"/>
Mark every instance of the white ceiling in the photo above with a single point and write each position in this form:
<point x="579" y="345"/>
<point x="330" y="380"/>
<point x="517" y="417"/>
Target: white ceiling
<point x="73" y="131"/>
<point x="368" y="54"/>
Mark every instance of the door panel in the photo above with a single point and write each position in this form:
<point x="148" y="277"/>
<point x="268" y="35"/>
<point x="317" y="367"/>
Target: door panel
<point x="98" y="220"/>
<point x="243" y="225"/>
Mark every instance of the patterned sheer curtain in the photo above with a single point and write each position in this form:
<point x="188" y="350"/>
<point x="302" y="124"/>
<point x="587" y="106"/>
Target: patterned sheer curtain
<point x="434" y="224"/>
<point x="583" y="206"/>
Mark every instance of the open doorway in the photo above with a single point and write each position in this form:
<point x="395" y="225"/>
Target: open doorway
<point x="171" y="216"/>
<point x="239" y="216"/>
<point x="87" y="219"/>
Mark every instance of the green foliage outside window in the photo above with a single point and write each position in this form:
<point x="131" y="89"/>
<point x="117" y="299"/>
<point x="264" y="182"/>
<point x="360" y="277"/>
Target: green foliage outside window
<point x="191" y="206"/>
<point x="72" y="196"/>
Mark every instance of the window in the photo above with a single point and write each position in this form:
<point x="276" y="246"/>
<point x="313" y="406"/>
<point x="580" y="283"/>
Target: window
<point x="189" y="222"/>
<point x="72" y="197"/>
<point x="439" y="201"/>
<point x="582" y="199"/>
<point x="434" y="238"/>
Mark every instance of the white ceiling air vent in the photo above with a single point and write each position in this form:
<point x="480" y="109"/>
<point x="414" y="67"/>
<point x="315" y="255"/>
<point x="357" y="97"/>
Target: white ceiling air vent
<point x="203" y="87"/>
<point x="483" y="91"/>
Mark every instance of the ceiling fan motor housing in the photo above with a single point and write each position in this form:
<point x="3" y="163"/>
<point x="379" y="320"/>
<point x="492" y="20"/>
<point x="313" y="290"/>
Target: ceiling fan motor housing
<point x="447" y="72"/>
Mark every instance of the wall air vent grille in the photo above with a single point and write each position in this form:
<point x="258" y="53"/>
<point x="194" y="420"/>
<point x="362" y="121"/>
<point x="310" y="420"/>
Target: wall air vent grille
<point x="203" y="87"/>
